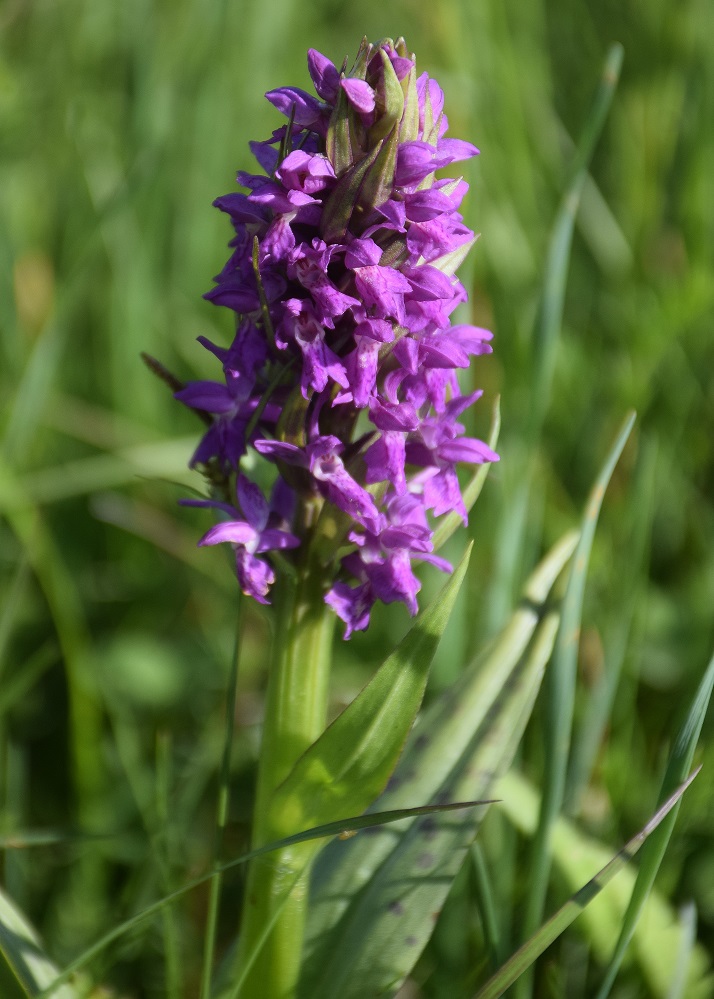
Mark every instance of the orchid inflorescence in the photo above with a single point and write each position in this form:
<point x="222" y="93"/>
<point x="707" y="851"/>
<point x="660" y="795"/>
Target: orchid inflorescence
<point x="343" y="369"/>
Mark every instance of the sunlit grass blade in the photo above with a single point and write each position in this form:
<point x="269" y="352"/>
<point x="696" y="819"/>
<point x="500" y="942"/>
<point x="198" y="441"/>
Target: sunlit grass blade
<point x="551" y="930"/>
<point x="438" y="741"/>
<point x="688" y="921"/>
<point x="352" y="824"/>
<point x="23" y="839"/>
<point x="103" y="471"/>
<point x="389" y="917"/>
<point x="560" y="693"/>
<point x="679" y="763"/>
<point x="24" y="968"/>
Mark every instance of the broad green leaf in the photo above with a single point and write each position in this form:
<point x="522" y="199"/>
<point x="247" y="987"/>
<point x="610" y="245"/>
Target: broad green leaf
<point x="575" y="855"/>
<point x="468" y="734"/>
<point x="524" y="957"/>
<point x="348" y="766"/>
<point x="24" y="968"/>
<point x="679" y="763"/>
<point x="440" y="738"/>
<point x="386" y="924"/>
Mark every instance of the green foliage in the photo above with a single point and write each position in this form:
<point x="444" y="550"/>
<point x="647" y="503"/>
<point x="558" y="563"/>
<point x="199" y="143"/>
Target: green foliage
<point x="374" y="900"/>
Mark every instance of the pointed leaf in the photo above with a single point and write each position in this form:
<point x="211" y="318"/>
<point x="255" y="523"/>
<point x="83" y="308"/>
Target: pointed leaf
<point x="436" y="744"/>
<point x="387" y="923"/>
<point x="575" y="855"/>
<point x="348" y="766"/>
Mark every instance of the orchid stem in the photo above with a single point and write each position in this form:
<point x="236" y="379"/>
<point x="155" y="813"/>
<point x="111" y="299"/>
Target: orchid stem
<point x="295" y="715"/>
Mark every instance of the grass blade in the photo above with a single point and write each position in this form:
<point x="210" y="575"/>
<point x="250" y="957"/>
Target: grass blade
<point x="561" y="691"/>
<point x="556" y="271"/>
<point x="348" y="825"/>
<point x="679" y="763"/>
<point x="551" y="930"/>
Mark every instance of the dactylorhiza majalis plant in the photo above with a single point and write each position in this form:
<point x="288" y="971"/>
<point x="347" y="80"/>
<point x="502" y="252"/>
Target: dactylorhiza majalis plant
<point x="340" y="395"/>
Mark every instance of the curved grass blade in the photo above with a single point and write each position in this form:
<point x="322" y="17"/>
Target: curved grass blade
<point x="575" y="855"/>
<point x="341" y="827"/>
<point x="551" y="930"/>
<point x="439" y="739"/>
<point x="386" y="925"/>
<point x="24" y="968"/>
<point x="679" y="763"/>
<point x="561" y="691"/>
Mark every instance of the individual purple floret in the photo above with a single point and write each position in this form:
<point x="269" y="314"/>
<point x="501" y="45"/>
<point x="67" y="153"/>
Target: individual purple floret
<point x="343" y="370"/>
<point x="250" y="536"/>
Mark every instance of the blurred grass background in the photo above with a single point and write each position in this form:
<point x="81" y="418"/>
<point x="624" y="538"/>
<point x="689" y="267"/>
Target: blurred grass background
<point x="119" y="124"/>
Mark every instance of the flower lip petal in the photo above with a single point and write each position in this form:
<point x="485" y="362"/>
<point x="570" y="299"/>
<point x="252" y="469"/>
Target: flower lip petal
<point x="282" y="451"/>
<point x="393" y="416"/>
<point x="309" y="111"/>
<point x="466" y="449"/>
<point x="359" y="94"/>
<point x="209" y="396"/>
<point x="324" y="75"/>
<point x="252" y="502"/>
<point x="237" y="532"/>
<point x="273" y="539"/>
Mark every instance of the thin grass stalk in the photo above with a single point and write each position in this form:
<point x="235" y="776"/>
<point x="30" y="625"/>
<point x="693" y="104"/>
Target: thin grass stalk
<point x="169" y="927"/>
<point x="487" y="905"/>
<point x="214" y="896"/>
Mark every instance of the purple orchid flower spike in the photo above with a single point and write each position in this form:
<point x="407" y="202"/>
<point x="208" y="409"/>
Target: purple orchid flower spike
<point x="343" y="370"/>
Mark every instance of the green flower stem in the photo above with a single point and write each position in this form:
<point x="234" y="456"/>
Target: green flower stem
<point x="295" y="715"/>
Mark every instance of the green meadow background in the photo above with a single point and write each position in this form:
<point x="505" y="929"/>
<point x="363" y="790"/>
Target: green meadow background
<point x="119" y="124"/>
